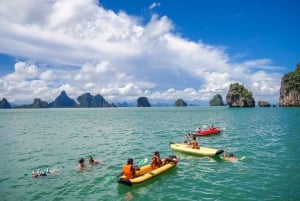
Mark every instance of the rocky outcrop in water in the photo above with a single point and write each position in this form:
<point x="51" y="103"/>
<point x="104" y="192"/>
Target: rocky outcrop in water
<point x="123" y="104"/>
<point x="216" y="101"/>
<point x="37" y="103"/>
<point x="88" y="100"/>
<point x="180" y="103"/>
<point x="264" y="104"/>
<point x="4" y="104"/>
<point x="63" y="101"/>
<point x="290" y="88"/>
<point x="238" y="96"/>
<point x="143" y="102"/>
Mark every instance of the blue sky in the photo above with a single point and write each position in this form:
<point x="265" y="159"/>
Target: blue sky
<point x="164" y="50"/>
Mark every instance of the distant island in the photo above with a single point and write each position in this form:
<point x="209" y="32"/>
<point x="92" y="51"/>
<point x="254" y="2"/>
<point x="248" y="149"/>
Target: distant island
<point x="216" y="101"/>
<point x="180" y="103"/>
<point x="237" y="96"/>
<point x="290" y="88"/>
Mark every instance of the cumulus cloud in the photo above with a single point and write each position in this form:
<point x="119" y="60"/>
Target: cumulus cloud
<point x="91" y="49"/>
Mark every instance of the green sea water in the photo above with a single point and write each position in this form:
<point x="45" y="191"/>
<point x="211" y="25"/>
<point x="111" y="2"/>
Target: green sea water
<point x="56" y="138"/>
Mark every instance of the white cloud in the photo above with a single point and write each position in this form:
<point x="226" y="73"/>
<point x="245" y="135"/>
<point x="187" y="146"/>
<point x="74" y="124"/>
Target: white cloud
<point x="115" y="55"/>
<point x="154" y="5"/>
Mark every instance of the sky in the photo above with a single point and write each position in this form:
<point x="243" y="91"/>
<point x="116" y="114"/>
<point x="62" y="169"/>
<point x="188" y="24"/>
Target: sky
<point x="163" y="50"/>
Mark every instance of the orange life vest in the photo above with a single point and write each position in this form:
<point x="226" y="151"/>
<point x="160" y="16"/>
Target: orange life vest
<point x="127" y="170"/>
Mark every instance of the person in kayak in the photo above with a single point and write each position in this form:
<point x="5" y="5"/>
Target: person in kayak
<point x="129" y="169"/>
<point x="231" y="157"/>
<point x="188" y="138"/>
<point x="157" y="162"/>
<point x="92" y="161"/>
<point x="194" y="143"/>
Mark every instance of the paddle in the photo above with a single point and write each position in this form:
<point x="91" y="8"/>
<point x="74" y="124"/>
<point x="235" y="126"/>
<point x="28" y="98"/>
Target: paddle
<point x="143" y="162"/>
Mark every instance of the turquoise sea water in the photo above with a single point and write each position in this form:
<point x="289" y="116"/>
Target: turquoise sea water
<point x="57" y="138"/>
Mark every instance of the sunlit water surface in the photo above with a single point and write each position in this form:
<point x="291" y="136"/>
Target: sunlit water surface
<point x="57" y="138"/>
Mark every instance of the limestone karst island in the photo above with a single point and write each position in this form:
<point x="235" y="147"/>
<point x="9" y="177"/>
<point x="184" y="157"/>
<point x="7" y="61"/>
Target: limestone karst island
<point x="237" y="96"/>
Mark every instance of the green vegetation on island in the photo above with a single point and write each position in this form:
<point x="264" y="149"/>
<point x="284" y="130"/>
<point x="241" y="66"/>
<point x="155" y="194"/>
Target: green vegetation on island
<point x="180" y="103"/>
<point x="239" y="96"/>
<point x="143" y="102"/>
<point x="216" y="101"/>
<point x="290" y="88"/>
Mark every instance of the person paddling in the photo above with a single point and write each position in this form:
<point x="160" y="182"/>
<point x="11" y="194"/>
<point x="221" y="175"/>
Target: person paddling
<point x="129" y="169"/>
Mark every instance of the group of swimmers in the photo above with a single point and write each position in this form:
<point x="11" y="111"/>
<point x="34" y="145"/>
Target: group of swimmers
<point x="129" y="169"/>
<point x="81" y="164"/>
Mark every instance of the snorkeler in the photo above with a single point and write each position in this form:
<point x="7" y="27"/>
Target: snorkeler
<point x="38" y="173"/>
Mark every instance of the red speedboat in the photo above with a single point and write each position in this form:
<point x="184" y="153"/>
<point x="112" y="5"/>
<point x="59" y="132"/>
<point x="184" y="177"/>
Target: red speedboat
<point x="209" y="131"/>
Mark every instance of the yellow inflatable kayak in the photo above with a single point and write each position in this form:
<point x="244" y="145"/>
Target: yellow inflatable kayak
<point x="146" y="172"/>
<point x="203" y="151"/>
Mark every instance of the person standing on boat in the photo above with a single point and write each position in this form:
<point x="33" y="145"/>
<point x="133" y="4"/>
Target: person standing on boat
<point x="129" y="169"/>
<point x="195" y="143"/>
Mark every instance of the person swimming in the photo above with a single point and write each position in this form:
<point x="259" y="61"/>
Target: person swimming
<point x="92" y="161"/>
<point x="231" y="157"/>
<point x="38" y="173"/>
<point x="81" y="164"/>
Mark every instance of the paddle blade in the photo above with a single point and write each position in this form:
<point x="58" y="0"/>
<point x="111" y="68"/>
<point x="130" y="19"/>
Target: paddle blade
<point x="242" y="158"/>
<point x="143" y="162"/>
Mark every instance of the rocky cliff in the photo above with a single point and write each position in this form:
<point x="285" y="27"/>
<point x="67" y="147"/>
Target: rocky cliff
<point x="238" y="96"/>
<point x="264" y="104"/>
<point x="143" y="102"/>
<point x="216" y="101"/>
<point x="38" y="103"/>
<point x="88" y="100"/>
<point x="4" y="104"/>
<point x="180" y="103"/>
<point x="63" y="101"/>
<point x="290" y="88"/>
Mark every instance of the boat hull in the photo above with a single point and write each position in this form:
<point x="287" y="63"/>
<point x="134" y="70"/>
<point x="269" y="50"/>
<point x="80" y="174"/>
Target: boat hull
<point x="208" y="132"/>
<point x="203" y="151"/>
